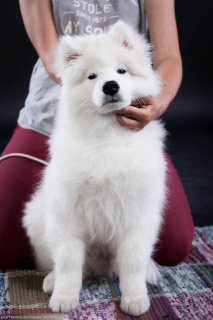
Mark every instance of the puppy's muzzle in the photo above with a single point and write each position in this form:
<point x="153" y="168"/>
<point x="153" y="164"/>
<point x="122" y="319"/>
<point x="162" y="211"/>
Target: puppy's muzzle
<point x="111" y="88"/>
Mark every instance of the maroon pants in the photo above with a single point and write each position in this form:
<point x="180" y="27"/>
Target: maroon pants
<point x="19" y="176"/>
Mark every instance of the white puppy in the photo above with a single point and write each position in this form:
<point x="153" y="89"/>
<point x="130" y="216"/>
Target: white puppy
<point x="99" y="205"/>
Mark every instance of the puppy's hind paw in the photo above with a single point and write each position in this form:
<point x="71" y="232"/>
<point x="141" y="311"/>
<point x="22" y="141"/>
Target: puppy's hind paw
<point x="49" y="281"/>
<point x="63" y="302"/>
<point x="135" y="305"/>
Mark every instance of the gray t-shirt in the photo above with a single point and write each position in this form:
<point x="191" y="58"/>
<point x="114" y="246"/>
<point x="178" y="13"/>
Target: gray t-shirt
<point x="73" y="17"/>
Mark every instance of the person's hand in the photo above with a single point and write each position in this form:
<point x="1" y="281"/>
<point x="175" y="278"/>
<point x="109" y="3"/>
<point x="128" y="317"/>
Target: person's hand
<point x="141" y="112"/>
<point x="48" y="64"/>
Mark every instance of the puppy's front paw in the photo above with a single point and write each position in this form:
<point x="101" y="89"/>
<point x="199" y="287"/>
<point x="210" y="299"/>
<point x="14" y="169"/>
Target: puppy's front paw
<point x="63" y="302"/>
<point x="135" y="305"/>
<point x="49" y="281"/>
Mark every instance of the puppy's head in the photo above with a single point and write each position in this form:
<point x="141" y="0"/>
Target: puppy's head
<point x="106" y="71"/>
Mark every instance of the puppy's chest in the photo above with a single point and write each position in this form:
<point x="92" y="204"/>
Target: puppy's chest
<point x="108" y="161"/>
<point x="108" y="184"/>
<point x="108" y="203"/>
<point x="107" y="178"/>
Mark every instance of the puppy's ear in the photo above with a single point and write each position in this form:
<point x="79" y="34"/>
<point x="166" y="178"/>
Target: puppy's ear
<point x="65" y="53"/>
<point x="124" y="35"/>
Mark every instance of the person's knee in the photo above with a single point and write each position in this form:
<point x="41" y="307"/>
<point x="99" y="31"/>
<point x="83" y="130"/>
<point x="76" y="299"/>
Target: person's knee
<point x="12" y="256"/>
<point x="181" y="251"/>
<point x="174" y="248"/>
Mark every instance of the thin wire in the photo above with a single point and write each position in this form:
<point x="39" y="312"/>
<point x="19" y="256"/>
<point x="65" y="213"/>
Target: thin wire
<point x="22" y="155"/>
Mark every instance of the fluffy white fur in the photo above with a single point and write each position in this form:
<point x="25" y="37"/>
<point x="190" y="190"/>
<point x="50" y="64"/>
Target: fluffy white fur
<point x="99" y="205"/>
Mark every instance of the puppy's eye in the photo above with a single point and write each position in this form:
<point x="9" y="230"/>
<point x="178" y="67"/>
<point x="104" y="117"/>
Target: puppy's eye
<point x="92" y="76"/>
<point x="121" y="71"/>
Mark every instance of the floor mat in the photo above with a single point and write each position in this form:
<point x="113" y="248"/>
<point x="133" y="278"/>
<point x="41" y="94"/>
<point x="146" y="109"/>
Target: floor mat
<point x="183" y="292"/>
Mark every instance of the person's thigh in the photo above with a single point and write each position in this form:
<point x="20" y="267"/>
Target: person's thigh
<point x="177" y="228"/>
<point x="18" y="179"/>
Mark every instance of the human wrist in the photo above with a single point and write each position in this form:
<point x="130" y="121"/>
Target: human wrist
<point x="170" y="72"/>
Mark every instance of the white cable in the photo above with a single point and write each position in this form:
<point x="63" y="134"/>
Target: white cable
<point x="22" y="155"/>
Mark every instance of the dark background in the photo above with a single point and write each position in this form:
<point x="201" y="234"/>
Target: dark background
<point x="189" y="118"/>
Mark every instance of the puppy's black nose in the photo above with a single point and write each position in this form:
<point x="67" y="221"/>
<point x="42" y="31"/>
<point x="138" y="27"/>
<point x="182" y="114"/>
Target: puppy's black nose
<point x="110" y="87"/>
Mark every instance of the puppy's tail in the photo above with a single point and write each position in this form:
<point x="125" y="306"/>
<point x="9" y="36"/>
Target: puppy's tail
<point x="153" y="272"/>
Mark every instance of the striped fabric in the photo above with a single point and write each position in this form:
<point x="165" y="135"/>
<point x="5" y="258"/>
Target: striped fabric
<point x="183" y="292"/>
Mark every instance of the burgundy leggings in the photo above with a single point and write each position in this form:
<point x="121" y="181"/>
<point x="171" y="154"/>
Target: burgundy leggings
<point x="19" y="176"/>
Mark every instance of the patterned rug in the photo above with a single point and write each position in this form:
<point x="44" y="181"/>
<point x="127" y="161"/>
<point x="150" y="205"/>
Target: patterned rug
<point x="183" y="292"/>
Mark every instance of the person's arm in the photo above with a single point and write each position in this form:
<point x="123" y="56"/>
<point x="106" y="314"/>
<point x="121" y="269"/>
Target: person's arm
<point x="167" y="62"/>
<point x="39" y="24"/>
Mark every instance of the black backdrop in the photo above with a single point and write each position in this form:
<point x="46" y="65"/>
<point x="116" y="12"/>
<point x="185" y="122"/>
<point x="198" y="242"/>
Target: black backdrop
<point x="189" y="118"/>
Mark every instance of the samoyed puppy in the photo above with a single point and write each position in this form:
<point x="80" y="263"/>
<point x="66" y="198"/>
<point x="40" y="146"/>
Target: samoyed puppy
<point x="99" y="205"/>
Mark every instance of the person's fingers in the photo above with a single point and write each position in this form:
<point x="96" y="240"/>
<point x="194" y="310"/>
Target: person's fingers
<point x="140" y="103"/>
<point x="130" y="123"/>
<point x="141" y="115"/>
